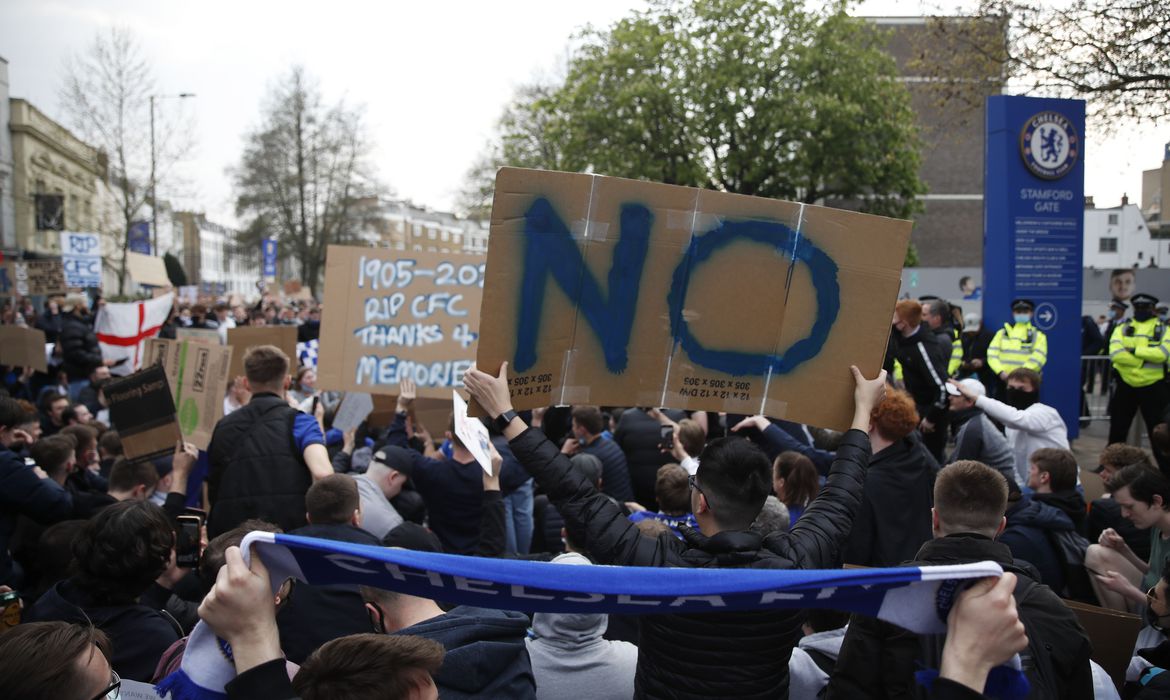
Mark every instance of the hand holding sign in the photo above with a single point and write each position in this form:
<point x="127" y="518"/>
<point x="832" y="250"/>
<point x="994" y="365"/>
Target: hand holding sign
<point x="490" y="392"/>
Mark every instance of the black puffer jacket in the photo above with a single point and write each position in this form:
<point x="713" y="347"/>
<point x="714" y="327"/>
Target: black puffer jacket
<point x="878" y="659"/>
<point x="79" y="346"/>
<point x="737" y="654"/>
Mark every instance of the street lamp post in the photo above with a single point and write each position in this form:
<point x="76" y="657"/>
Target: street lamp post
<point x="153" y="159"/>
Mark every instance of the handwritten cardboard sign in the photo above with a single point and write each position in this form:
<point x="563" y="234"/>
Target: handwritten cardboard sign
<point x="142" y="410"/>
<point x="147" y="270"/>
<point x="81" y="256"/>
<point x="617" y="292"/>
<point x="23" y="347"/>
<point x="36" y="277"/>
<point x="198" y="376"/>
<point x="245" y="338"/>
<point x="472" y="433"/>
<point x="198" y="335"/>
<point x="393" y="313"/>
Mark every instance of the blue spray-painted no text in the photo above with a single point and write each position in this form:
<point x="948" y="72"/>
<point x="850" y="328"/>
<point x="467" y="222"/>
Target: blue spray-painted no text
<point x="551" y="250"/>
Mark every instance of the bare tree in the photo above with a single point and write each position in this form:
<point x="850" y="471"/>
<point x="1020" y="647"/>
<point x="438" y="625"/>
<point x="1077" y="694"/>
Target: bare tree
<point x="106" y="98"/>
<point x="1115" y="55"/>
<point x="304" y="174"/>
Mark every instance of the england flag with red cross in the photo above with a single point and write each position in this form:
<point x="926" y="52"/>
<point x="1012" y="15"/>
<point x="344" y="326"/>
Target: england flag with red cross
<point x="123" y="329"/>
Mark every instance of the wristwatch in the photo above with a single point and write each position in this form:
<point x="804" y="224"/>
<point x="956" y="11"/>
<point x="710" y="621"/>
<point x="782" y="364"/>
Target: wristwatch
<point x="504" y="419"/>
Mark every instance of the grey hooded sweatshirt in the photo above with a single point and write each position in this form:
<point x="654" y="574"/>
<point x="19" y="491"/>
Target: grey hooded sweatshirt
<point x="571" y="660"/>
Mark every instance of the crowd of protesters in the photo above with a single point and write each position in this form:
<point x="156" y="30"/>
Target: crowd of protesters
<point x="951" y="458"/>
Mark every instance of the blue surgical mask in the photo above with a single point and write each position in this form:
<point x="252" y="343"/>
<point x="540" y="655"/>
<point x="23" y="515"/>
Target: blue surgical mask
<point x="1022" y="318"/>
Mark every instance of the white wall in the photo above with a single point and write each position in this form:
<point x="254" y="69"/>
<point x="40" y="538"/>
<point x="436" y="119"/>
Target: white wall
<point x="1126" y="226"/>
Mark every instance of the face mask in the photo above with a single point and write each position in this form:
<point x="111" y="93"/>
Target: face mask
<point x="1022" y="318"/>
<point x="1164" y="315"/>
<point x="1141" y="314"/>
<point x="1154" y="619"/>
<point x="1020" y="399"/>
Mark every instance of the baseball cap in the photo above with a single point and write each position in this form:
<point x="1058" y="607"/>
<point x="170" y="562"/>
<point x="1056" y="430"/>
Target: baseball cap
<point x="394" y="457"/>
<point x="973" y="385"/>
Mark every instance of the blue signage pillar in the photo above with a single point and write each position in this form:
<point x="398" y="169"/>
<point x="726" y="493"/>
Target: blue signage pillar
<point x="1033" y="221"/>
<point x="268" y="253"/>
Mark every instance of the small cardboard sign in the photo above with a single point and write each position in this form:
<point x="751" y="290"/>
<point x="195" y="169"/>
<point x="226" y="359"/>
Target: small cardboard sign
<point x="199" y="335"/>
<point x="147" y="270"/>
<point x="394" y="313"/>
<point x="244" y="338"/>
<point x="1113" y="635"/>
<point x="36" y="277"/>
<point x="473" y="434"/>
<point x="142" y="410"/>
<point x="198" y="376"/>
<point x="23" y="347"/>
<point x="291" y="287"/>
<point x="618" y="292"/>
<point x="353" y="410"/>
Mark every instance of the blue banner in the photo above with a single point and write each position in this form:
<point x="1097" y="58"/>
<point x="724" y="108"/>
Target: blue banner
<point x="140" y="238"/>
<point x="1034" y="205"/>
<point x="268" y="254"/>
<point x="917" y="598"/>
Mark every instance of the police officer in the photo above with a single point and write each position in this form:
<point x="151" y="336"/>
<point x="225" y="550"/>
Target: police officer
<point x="1018" y="344"/>
<point x="1139" y="350"/>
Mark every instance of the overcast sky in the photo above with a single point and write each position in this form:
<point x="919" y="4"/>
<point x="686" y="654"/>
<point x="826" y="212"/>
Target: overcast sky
<point x="433" y="76"/>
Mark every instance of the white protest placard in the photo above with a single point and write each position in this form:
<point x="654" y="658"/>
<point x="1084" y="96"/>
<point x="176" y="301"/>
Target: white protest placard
<point x="81" y="256"/>
<point x="353" y="410"/>
<point x="137" y="690"/>
<point x="473" y="434"/>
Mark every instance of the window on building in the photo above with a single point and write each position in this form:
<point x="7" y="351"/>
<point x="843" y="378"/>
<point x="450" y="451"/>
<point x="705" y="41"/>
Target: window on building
<point x="431" y="233"/>
<point x="1113" y="219"/>
<point x="1108" y="245"/>
<point x="50" y="210"/>
<point x="1140" y="255"/>
<point x="446" y="235"/>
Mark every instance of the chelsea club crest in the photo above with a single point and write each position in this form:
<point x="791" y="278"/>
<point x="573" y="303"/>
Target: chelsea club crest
<point x="1049" y="145"/>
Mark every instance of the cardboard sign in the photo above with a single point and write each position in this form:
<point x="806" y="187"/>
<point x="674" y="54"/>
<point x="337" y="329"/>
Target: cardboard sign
<point x="291" y="287"/>
<point x="81" y="257"/>
<point x="198" y="376"/>
<point x="23" y="347"/>
<point x="246" y="337"/>
<point x="199" y="335"/>
<point x="473" y="434"/>
<point x="353" y="410"/>
<point x="147" y="270"/>
<point x="394" y="314"/>
<point x="1113" y="635"/>
<point x="36" y="277"/>
<point x="142" y="410"/>
<point x="618" y="292"/>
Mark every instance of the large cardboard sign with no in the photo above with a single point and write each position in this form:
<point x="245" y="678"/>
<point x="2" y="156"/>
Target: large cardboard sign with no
<point x="23" y="347"/>
<point x="198" y="376"/>
<point x="618" y="292"/>
<point x="143" y="412"/>
<point x="398" y="313"/>
<point x="246" y="337"/>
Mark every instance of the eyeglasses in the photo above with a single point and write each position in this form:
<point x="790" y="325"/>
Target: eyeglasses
<point x="694" y="484"/>
<point x="114" y="691"/>
<point x="1151" y="597"/>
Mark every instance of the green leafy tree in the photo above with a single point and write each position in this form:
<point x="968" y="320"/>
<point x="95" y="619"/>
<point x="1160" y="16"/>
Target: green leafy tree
<point x="755" y="97"/>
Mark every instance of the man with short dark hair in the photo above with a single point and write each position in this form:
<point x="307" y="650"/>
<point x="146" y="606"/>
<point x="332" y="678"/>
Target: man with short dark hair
<point x="588" y="426"/>
<point x="22" y="490"/>
<point x="1104" y="513"/>
<point x="728" y="654"/>
<point x="55" y="455"/>
<point x="673" y="493"/>
<point x="371" y="667"/>
<point x="132" y="481"/>
<point x="88" y="396"/>
<point x="55" y="660"/>
<point x="879" y="660"/>
<point x="1052" y="476"/>
<point x="334" y="501"/>
<point x="53" y="407"/>
<point x="266" y="455"/>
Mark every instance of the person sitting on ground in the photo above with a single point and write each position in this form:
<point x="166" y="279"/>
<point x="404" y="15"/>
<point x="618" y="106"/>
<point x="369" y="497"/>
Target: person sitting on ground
<point x="976" y="437"/>
<point x="371" y="667"/>
<point x="1149" y="665"/>
<point x="1120" y="578"/>
<point x="816" y="654"/>
<point x="588" y="426"/>
<point x="727" y="494"/>
<point x="266" y="455"/>
<point x="1031" y="534"/>
<point x="1104" y="513"/>
<point x="1052" y="476"/>
<point x="568" y="652"/>
<point x="122" y="551"/>
<point x="1029" y="424"/>
<point x="674" y="498"/>
<point x="55" y="660"/>
<point x="895" y="513"/>
<point x="795" y="483"/>
<point x="969" y="502"/>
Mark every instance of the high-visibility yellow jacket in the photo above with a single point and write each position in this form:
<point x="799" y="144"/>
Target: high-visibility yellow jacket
<point x="956" y="352"/>
<point x="1140" y="351"/>
<point x="1017" y="345"/>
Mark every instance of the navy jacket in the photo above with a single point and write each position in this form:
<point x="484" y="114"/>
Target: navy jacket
<point x="615" y="472"/>
<point x="486" y="656"/>
<point x="1028" y="523"/>
<point x="22" y="492"/>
